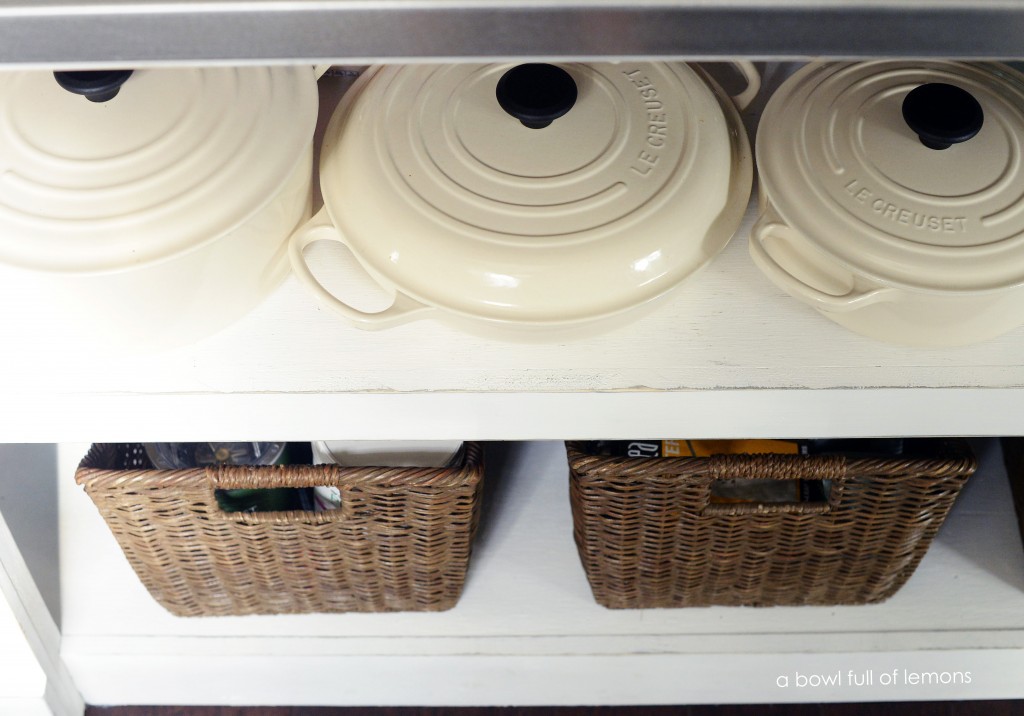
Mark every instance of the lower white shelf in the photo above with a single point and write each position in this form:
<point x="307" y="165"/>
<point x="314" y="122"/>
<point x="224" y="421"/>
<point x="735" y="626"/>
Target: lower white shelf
<point x="527" y="630"/>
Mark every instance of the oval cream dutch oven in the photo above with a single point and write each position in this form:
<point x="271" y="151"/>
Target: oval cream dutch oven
<point x="893" y="198"/>
<point x="530" y="198"/>
<point x="150" y="207"/>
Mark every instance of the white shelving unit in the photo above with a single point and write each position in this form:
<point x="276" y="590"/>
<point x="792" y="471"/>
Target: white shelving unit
<point x="727" y="355"/>
<point x="22" y="679"/>
<point x="33" y="679"/>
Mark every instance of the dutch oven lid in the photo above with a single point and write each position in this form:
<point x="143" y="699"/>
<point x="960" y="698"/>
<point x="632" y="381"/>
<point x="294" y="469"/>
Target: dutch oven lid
<point x="103" y="170"/>
<point x="910" y="172"/>
<point x="535" y="192"/>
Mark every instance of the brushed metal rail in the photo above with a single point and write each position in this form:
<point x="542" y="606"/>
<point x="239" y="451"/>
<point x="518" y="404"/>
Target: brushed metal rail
<point x="106" y="32"/>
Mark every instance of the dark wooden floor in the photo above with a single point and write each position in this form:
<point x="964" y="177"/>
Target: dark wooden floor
<point x="949" y="708"/>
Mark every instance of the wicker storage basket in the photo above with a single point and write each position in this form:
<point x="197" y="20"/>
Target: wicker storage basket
<point x="649" y="536"/>
<point x="400" y="542"/>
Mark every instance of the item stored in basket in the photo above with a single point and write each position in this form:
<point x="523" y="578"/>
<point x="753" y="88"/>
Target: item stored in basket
<point x="727" y="490"/>
<point x="176" y="456"/>
<point x="392" y="453"/>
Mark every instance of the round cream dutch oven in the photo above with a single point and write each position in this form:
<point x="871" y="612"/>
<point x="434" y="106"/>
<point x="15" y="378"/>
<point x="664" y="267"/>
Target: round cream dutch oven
<point x="150" y="207"/>
<point x="519" y="200"/>
<point x="893" y="198"/>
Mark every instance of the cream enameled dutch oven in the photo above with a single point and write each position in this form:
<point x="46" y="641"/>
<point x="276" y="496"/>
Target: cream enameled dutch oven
<point x="893" y="198"/>
<point x="150" y="207"/>
<point x="519" y="200"/>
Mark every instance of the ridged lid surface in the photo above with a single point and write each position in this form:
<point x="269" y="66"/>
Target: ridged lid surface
<point x="459" y="204"/>
<point x="843" y="166"/>
<point x="176" y="158"/>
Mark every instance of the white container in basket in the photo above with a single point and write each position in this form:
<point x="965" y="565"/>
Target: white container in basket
<point x="376" y="453"/>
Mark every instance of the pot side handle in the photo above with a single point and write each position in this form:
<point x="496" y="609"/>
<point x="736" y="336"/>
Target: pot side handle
<point x="753" y="78"/>
<point x="321" y="228"/>
<point x="766" y="230"/>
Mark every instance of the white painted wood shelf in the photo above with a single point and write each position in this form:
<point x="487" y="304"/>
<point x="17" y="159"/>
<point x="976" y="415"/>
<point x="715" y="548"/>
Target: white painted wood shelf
<point x="727" y="354"/>
<point x="527" y="630"/>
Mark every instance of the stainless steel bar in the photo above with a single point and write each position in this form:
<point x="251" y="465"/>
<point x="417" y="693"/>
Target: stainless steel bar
<point x="87" y="32"/>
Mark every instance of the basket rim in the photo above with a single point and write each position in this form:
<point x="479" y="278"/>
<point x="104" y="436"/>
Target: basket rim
<point x="96" y="472"/>
<point x="960" y="461"/>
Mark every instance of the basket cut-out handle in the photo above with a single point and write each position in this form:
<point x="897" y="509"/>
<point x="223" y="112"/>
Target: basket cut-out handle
<point x="268" y="477"/>
<point x="468" y="473"/>
<point x="775" y="467"/>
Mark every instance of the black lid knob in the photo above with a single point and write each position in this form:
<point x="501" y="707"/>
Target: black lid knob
<point x="536" y="94"/>
<point x="942" y="115"/>
<point x="95" y="86"/>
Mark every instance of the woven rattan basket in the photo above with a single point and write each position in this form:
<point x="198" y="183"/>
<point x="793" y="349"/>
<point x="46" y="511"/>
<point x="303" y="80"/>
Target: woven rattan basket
<point x="649" y="536"/>
<point x="400" y="542"/>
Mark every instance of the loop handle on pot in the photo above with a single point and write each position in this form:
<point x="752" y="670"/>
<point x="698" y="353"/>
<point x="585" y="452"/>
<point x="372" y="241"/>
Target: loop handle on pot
<point x="766" y="230"/>
<point x="753" y="78"/>
<point x="321" y="228"/>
